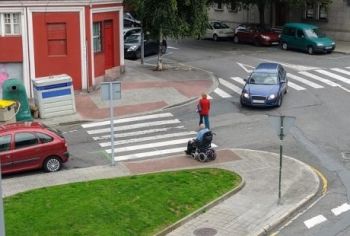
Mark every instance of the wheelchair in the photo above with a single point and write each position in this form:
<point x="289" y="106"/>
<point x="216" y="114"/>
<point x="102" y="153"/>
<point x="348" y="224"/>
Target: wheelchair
<point x="202" y="151"/>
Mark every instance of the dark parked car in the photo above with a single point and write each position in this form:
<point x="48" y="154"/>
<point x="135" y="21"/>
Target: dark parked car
<point x="132" y="46"/>
<point x="31" y="145"/>
<point x="265" y="86"/>
<point x="256" y="34"/>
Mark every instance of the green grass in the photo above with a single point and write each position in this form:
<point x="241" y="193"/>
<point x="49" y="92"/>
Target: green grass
<point x="137" y="205"/>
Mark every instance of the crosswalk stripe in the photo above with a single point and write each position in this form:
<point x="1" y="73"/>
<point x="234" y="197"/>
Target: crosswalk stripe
<point x="152" y="153"/>
<point x="334" y="76"/>
<point x="341" y="71"/>
<point x="238" y="80"/>
<point x="136" y="133"/>
<point x="295" y="86"/>
<point x="148" y="145"/>
<point x="125" y="120"/>
<point x="233" y="87"/>
<point x="318" y="78"/>
<point x="302" y="80"/>
<point x="134" y="126"/>
<point x="222" y="93"/>
<point x="156" y="137"/>
<point x="341" y="209"/>
<point x="314" y="221"/>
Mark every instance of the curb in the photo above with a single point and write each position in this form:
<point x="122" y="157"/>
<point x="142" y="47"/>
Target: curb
<point x="201" y="210"/>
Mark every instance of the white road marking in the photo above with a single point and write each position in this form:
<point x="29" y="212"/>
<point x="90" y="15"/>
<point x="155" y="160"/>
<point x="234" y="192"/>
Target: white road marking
<point x="302" y="80"/>
<point x="318" y="78"/>
<point x="238" y="80"/>
<point x="293" y="66"/>
<point x="222" y="93"/>
<point x="148" y="145"/>
<point x="136" y="133"/>
<point x="245" y="66"/>
<point x="233" y="87"/>
<point x="125" y="120"/>
<point x="135" y="126"/>
<point x="152" y="153"/>
<point x="149" y="138"/>
<point x="314" y="221"/>
<point x="341" y="209"/>
<point x="295" y="86"/>
<point x="173" y="47"/>
<point x="209" y="97"/>
<point x="334" y="76"/>
<point x="341" y="71"/>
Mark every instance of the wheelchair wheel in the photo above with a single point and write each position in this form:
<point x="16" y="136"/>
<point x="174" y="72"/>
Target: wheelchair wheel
<point x="211" y="154"/>
<point x="202" y="157"/>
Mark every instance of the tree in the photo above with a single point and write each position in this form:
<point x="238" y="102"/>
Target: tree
<point x="170" y="19"/>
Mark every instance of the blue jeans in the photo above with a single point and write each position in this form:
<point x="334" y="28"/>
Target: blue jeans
<point x="206" y="121"/>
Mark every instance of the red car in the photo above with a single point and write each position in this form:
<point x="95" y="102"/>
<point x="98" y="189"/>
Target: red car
<point x="254" y="33"/>
<point x="31" y="145"/>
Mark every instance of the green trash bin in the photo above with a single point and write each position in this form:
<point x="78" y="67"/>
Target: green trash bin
<point x="13" y="89"/>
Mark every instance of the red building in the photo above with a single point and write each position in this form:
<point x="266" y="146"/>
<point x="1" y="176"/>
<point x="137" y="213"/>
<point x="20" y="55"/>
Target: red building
<point x="81" y="38"/>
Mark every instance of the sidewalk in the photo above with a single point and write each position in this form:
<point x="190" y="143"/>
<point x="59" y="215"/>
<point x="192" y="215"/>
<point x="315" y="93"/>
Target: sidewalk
<point x="254" y="210"/>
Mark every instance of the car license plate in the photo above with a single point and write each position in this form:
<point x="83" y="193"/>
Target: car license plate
<point x="274" y="43"/>
<point x="328" y="47"/>
<point x="258" y="101"/>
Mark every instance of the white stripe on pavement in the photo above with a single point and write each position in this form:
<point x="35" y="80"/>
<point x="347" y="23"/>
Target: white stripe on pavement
<point x="136" y="133"/>
<point x="233" y="87"/>
<point x="148" y="145"/>
<point x="314" y="221"/>
<point x="238" y="80"/>
<point x="295" y="86"/>
<point x="341" y="71"/>
<point x="135" y="126"/>
<point x="334" y="76"/>
<point x="302" y="80"/>
<point x="125" y="120"/>
<point x="152" y="153"/>
<point x="341" y="209"/>
<point x="149" y="138"/>
<point x="222" y="93"/>
<point x="318" y="78"/>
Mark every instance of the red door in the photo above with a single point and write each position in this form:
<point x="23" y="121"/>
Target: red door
<point x="57" y="45"/>
<point x="108" y="42"/>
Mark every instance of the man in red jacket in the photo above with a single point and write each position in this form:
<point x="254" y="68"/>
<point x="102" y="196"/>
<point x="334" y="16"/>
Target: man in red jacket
<point x="204" y="108"/>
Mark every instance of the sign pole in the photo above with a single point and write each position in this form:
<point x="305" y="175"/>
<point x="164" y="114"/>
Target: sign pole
<point x="112" y="123"/>
<point x="281" y="151"/>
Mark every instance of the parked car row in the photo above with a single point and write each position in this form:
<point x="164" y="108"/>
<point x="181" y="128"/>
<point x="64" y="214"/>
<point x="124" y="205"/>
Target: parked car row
<point x="298" y="36"/>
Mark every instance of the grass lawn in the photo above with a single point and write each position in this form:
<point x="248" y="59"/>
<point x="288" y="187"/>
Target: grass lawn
<point x="137" y="205"/>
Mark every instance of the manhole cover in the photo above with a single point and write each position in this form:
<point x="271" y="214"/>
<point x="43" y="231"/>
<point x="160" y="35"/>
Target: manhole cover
<point x="346" y="155"/>
<point x="205" y="232"/>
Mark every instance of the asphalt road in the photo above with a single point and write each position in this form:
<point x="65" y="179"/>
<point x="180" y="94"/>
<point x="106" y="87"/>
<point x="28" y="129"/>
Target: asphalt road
<point x="320" y="137"/>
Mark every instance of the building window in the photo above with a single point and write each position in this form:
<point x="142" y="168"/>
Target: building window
<point x="10" y="23"/>
<point x="322" y="12"/>
<point x="57" y="39"/>
<point x="233" y="7"/>
<point x="310" y="10"/>
<point x="97" y="37"/>
<point x="218" y="6"/>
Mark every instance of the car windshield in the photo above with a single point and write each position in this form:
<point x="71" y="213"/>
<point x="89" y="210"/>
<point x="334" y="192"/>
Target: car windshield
<point x="134" y="38"/>
<point x="220" y="25"/>
<point x="263" y="78"/>
<point x="314" y="33"/>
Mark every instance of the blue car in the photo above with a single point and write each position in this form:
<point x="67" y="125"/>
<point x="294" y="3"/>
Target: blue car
<point x="265" y="86"/>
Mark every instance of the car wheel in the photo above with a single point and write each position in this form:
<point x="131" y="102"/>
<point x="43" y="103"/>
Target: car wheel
<point x="310" y="50"/>
<point x="236" y="39"/>
<point x="284" y="46"/>
<point x="215" y="37"/>
<point x="52" y="164"/>
<point x="138" y="54"/>
<point x="279" y="103"/>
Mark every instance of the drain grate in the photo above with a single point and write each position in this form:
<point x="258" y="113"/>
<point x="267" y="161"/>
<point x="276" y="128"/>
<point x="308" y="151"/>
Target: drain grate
<point x="205" y="232"/>
<point x="346" y="156"/>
